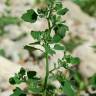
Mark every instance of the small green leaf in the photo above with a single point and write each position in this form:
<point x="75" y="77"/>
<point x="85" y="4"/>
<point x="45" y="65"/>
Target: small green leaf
<point x="35" y="90"/>
<point x="72" y="60"/>
<point x="56" y="38"/>
<point x="49" y="50"/>
<point x="31" y="74"/>
<point x="68" y="58"/>
<point x="58" y="6"/>
<point x="12" y="81"/>
<point x="42" y="12"/>
<point x="67" y="88"/>
<point x="22" y="72"/>
<point x="30" y="16"/>
<point x="18" y="92"/>
<point x="34" y="43"/>
<point x="61" y="29"/>
<point x="36" y="35"/>
<point x="58" y="47"/>
<point x="17" y="79"/>
<point x="62" y="11"/>
<point x="30" y="48"/>
<point x="75" y="60"/>
<point x="34" y="86"/>
<point x="92" y="81"/>
<point x="53" y="19"/>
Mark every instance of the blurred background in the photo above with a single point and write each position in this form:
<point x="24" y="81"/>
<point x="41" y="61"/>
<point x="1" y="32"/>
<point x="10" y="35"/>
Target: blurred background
<point x="15" y="33"/>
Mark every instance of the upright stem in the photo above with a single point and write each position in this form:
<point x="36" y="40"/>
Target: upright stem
<point x="46" y="57"/>
<point x="47" y="64"/>
<point x="47" y="73"/>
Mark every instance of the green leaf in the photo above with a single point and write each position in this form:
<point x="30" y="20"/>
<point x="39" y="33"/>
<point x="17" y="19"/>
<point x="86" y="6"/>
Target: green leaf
<point x="67" y="88"/>
<point x="18" y="92"/>
<point x="53" y="19"/>
<point x="56" y="38"/>
<point x="30" y="48"/>
<point x="34" y="86"/>
<point x="58" y="47"/>
<point x="61" y="29"/>
<point x="17" y="79"/>
<point x="31" y="74"/>
<point x="22" y="72"/>
<point x="42" y="12"/>
<point x="12" y="81"/>
<point x="36" y="35"/>
<point x="75" y="60"/>
<point x="58" y="6"/>
<point x="62" y="11"/>
<point x="34" y="43"/>
<point x="72" y="60"/>
<point x="49" y="50"/>
<point x="92" y="81"/>
<point x="35" y="90"/>
<point x="30" y="16"/>
<point x="68" y="58"/>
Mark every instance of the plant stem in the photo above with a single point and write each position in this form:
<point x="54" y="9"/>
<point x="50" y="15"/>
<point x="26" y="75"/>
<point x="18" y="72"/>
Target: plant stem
<point x="47" y="73"/>
<point x="46" y="57"/>
<point x="47" y="64"/>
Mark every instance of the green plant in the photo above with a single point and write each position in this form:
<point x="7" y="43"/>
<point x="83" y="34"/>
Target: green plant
<point x="52" y="11"/>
